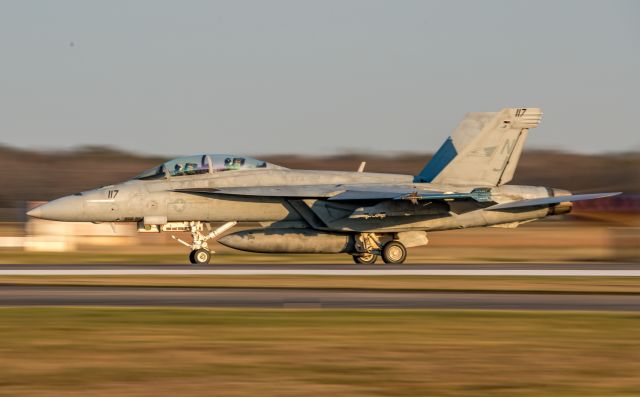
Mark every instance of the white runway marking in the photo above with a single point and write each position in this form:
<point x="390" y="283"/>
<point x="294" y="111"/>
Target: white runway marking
<point x="321" y="272"/>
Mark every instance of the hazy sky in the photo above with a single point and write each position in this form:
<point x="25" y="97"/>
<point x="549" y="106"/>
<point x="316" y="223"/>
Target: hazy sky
<point x="180" y="77"/>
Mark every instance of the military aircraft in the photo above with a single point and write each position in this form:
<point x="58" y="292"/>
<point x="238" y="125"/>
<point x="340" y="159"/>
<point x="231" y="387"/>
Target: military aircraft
<point x="362" y="214"/>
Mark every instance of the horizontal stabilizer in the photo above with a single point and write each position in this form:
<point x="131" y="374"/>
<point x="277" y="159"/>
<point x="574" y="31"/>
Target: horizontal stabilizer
<point x="550" y="200"/>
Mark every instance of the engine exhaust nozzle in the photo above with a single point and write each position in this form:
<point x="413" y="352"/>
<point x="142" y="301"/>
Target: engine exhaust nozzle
<point x="564" y="207"/>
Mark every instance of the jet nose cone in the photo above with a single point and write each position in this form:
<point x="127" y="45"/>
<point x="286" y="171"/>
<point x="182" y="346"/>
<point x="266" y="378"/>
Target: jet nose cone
<point x="68" y="208"/>
<point x="35" y="213"/>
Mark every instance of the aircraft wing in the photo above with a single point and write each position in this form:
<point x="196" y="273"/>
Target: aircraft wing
<point x="293" y="191"/>
<point x="340" y="192"/>
<point x="383" y="192"/>
<point x="550" y="200"/>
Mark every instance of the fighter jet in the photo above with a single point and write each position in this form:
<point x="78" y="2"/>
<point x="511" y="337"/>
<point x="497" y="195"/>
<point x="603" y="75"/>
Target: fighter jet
<point x="362" y="214"/>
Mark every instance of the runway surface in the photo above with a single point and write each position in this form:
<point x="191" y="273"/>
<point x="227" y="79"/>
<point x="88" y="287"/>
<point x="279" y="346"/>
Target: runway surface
<point x="306" y="298"/>
<point x="503" y="269"/>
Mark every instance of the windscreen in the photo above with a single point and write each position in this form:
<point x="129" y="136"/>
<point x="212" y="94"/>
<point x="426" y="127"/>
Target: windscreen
<point x="153" y="173"/>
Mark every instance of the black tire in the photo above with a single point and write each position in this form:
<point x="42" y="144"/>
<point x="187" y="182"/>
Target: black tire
<point x="365" y="259"/>
<point x="192" y="258"/>
<point x="394" y="252"/>
<point x="201" y="256"/>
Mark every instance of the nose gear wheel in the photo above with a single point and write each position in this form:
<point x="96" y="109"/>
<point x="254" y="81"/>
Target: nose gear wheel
<point x="200" y="256"/>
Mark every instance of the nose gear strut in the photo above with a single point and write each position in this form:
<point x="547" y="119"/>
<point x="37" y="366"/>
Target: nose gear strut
<point x="200" y="252"/>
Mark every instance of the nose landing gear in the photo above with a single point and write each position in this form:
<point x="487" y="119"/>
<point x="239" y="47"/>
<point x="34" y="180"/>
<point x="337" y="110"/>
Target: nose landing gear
<point x="200" y="252"/>
<point x="200" y="256"/>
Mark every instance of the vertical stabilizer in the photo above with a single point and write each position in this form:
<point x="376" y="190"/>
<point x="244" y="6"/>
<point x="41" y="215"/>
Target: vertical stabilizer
<point x="483" y="150"/>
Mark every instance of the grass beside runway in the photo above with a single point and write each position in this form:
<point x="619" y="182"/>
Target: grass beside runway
<point x="203" y="352"/>
<point x="422" y="283"/>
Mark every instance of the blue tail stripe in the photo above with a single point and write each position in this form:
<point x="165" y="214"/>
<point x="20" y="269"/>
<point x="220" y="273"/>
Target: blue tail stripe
<point x="440" y="160"/>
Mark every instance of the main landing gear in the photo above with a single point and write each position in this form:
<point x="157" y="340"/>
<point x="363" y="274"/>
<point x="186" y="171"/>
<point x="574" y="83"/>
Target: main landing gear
<point x="200" y="252"/>
<point x="365" y="259"/>
<point x="394" y="252"/>
<point x="370" y="246"/>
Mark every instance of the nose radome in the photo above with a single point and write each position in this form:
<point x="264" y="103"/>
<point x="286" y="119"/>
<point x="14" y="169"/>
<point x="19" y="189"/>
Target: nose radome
<point x="67" y="208"/>
<point x="36" y="212"/>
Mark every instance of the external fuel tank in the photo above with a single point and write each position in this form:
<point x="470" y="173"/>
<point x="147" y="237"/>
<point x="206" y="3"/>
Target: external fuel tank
<point x="300" y="241"/>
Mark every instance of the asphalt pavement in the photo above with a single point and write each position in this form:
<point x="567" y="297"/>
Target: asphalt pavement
<point x="14" y="295"/>
<point x="503" y="269"/>
<point x="36" y="295"/>
<point x="333" y="266"/>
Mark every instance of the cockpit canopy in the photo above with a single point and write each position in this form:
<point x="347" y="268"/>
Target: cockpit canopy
<point x="204" y="164"/>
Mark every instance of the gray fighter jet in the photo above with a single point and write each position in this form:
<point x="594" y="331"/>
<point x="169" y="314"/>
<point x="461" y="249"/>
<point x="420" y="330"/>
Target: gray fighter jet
<point x="362" y="214"/>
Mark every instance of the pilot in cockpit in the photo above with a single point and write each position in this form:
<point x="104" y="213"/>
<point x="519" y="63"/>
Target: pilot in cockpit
<point x="190" y="168"/>
<point x="238" y="162"/>
<point x="177" y="169"/>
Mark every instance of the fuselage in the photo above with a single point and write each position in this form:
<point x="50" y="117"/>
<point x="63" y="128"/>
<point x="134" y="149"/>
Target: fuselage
<point x="135" y="200"/>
